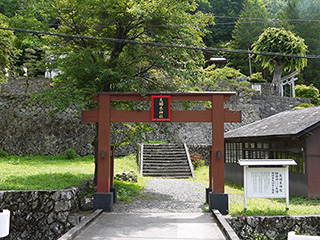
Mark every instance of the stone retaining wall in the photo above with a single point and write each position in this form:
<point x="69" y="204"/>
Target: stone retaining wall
<point x="275" y="227"/>
<point x="41" y="214"/>
<point x="30" y="128"/>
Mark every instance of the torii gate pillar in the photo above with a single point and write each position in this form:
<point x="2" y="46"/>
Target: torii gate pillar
<point x="217" y="115"/>
<point x="218" y="199"/>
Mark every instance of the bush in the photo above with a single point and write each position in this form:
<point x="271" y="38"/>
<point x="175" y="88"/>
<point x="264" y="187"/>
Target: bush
<point x="196" y="160"/>
<point x="311" y="92"/>
<point x="3" y="153"/>
<point x="257" y="78"/>
<point x="71" y="154"/>
<point x="302" y="105"/>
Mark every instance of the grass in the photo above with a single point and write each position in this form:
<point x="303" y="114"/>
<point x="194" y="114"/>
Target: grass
<point x="126" y="191"/>
<point x="43" y="173"/>
<point x="47" y="173"/>
<point x="261" y="206"/>
<point x="58" y="172"/>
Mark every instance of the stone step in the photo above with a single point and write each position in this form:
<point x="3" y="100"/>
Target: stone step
<point x="166" y="171"/>
<point x="164" y="151"/>
<point x="155" y="146"/>
<point x="164" y="160"/>
<point x="174" y="175"/>
<point x="160" y="156"/>
<point x="172" y="151"/>
<point x="181" y="167"/>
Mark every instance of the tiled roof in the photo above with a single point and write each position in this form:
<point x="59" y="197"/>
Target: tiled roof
<point x="293" y="122"/>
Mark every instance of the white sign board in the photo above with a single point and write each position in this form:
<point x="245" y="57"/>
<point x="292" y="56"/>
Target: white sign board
<point x="256" y="87"/>
<point x="266" y="182"/>
<point x="266" y="178"/>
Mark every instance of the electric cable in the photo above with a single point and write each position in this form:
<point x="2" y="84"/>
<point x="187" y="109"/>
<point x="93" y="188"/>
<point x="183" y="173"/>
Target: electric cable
<point x="164" y="45"/>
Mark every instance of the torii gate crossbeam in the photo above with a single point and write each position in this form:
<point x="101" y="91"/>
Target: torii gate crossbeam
<point x="105" y="115"/>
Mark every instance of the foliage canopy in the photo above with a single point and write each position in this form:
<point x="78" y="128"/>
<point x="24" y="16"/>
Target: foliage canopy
<point x="280" y="40"/>
<point x="310" y="92"/>
<point x="7" y="50"/>
<point x="119" y="66"/>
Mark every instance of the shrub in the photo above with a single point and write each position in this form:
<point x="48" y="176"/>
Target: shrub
<point x="71" y="154"/>
<point x="257" y="78"/>
<point x="3" y="153"/>
<point x="311" y="92"/>
<point x="196" y="160"/>
<point x="302" y="105"/>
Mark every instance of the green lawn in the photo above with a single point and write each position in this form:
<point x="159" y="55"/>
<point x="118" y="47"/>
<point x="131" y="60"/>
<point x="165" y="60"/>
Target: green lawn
<point x="44" y="173"/>
<point x="57" y="172"/>
<point x="261" y="206"/>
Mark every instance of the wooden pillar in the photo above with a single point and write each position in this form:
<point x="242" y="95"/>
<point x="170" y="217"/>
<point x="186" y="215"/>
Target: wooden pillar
<point x="217" y="156"/>
<point x="112" y="167"/>
<point x="210" y="169"/>
<point x="103" y="181"/>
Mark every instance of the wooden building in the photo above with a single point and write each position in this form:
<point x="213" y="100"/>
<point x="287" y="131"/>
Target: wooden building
<point x="292" y="134"/>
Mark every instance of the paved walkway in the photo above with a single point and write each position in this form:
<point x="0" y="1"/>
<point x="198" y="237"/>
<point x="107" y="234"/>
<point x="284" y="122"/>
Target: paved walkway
<point x="150" y="226"/>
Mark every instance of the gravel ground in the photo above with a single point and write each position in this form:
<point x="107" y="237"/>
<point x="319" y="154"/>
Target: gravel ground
<point x="167" y="195"/>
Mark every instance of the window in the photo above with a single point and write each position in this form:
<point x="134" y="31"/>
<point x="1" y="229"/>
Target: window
<point x="266" y="150"/>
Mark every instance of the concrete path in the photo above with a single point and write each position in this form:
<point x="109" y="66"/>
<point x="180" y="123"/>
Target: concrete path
<point x="150" y="226"/>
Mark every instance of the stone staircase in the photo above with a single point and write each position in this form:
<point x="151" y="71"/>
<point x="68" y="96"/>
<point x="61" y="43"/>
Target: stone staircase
<point x="165" y="160"/>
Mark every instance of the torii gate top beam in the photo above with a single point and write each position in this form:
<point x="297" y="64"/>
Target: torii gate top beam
<point x="177" y="115"/>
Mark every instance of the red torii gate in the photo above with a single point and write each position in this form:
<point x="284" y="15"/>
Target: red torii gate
<point x="105" y="114"/>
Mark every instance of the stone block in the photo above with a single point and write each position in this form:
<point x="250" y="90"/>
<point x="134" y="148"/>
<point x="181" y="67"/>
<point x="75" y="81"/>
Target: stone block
<point x="103" y="201"/>
<point x="219" y="201"/>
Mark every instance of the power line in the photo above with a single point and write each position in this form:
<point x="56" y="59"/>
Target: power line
<point x="151" y="26"/>
<point x="297" y="20"/>
<point x="164" y="45"/>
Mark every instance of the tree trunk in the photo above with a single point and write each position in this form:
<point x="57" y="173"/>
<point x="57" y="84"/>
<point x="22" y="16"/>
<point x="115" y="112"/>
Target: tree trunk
<point x="277" y="76"/>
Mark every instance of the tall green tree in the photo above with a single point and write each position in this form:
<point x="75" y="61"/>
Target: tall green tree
<point x="275" y="7"/>
<point x="251" y="23"/>
<point x="302" y="17"/>
<point x="88" y="65"/>
<point x="9" y="7"/>
<point x="7" y="50"/>
<point x="280" y="40"/>
<point x="226" y="13"/>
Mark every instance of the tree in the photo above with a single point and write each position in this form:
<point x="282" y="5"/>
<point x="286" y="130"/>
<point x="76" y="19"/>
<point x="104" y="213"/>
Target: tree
<point x="9" y="7"/>
<point x="303" y="19"/>
<point x="7" y="50"/>
<point x="226" y="13"/>
<point x="248" y="27"/>
<point x="311" y="92"/>
<point x="275" y="6"/>
<point x="280" y="40"/>
<point x="88" y="65"/>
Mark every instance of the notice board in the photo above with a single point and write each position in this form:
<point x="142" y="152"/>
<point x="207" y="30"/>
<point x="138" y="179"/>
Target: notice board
<point x="266" y="182"/>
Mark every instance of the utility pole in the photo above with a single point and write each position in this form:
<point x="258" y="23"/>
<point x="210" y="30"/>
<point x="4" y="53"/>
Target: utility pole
<point x="250" y="62"/>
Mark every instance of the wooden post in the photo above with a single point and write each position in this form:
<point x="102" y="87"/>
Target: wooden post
<point x="103" y="182"/>
<point x="217" y="157"/>
<point x="112" y="167"/>
<point x="210" y="169"/>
